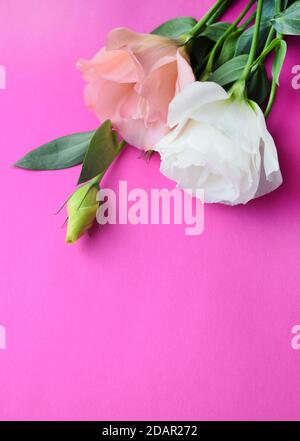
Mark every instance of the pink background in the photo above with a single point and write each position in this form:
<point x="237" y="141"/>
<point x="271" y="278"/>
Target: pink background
<point x="135" y="322"/>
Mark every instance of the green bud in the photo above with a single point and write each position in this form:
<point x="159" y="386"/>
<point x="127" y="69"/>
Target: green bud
<point x="82" y="208"/>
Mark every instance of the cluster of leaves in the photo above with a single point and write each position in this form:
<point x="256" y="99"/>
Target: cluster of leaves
<point x="234" y="52"/>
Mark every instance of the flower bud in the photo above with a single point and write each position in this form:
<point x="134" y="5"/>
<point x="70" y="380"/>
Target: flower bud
<point x="82" y="208"/>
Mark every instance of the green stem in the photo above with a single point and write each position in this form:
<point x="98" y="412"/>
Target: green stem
<point x="274" y="84"/>
<point x="221" y="40"/>
<point x="218" y="14"/>
<point x="262" y="56"/>
<point x="121" y="145"/>
<point x="97" y="179"/>
<point x="269" y="37"/>
<point x="247" y="22"/>
<point x="264" y="53"/>
<point x="254" y="44"/>
<point x="268" y="47"/>
<point x="200" y="25"/>
<point x="277" y="6"/>
<point x="271" y="99"/>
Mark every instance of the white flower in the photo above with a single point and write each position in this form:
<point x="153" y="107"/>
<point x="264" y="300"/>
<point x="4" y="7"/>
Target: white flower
<point x="219" y="143"/>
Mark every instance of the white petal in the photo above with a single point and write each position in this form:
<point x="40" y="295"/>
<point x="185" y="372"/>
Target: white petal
<point x="184" y="105"/>
<point x="235" y="118"/>
<point x="270" y="177"/>
<point x="163" y="145"/>
<point x="203" y="157"/>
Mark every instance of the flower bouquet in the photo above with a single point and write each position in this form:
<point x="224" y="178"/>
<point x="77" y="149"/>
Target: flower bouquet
<point x="196" y="92"/>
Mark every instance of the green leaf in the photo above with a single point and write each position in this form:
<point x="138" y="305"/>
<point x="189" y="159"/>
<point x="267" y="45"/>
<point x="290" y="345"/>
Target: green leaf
<point x="228" y="49"/>
<point x="61" y="153"/>
<point x="279" y="58"/>
<point x="287" y="3"/>
<point x="258" y="86"/>
<point x="269" y="8"/>
<point x="288" y="21"/>
<point x="101" y="152"/>
<point x="176" y="27"/>
<point x="215" y="31"/>
<point x="230" y="71"/>
<point x="244" y="44"/>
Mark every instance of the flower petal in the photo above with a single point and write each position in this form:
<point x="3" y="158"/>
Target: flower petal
<point x="136" y="133"/>
<point x="103" y="97"/>
<point x="185" y="73"/>
<point x="270" y="177"/>
<point x="186" y="103"/>
<point x="147" y="48"/>
<point x="119" y="65"/>
<point x="158" y="90"/>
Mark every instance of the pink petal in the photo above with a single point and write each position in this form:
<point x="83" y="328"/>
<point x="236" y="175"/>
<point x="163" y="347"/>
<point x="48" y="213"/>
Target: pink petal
<point x="159" y="90"/>
<point x="133" y="106"/>
<point x="146" y="48"/>
<point x="185" y="73"/>
<point x="103" y="97"/>
<point x="137" y="134"/>
<point x="119" y="65"/>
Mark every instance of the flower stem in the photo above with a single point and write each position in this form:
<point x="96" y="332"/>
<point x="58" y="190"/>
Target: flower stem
<point x="271" y="99"/>
<point x="269" y="38"/>
<point x="200" y="25"/>
<point x="247" y="22"/>
<point x="239" y="87"/>
<point x="218" y="14"/>
<point x="265" y="52"/>
<point x="121" y="145"/>
<point x="274" y="84"/>
<point x="221" y="40"/>
<point x="255" y="39"/>
<point x="97" y="179"/>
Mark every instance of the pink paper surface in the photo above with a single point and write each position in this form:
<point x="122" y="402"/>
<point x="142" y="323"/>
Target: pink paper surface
<point x="136" y="322"/>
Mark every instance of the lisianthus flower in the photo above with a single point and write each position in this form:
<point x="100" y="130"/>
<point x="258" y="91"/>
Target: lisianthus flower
<point x="132" y="80"/>
<point x="82" y="209"/>
<point x="219" y="143"/>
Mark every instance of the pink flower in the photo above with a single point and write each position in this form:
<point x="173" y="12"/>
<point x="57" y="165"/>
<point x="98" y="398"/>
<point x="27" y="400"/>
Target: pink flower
<point x="132" y="81"/>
